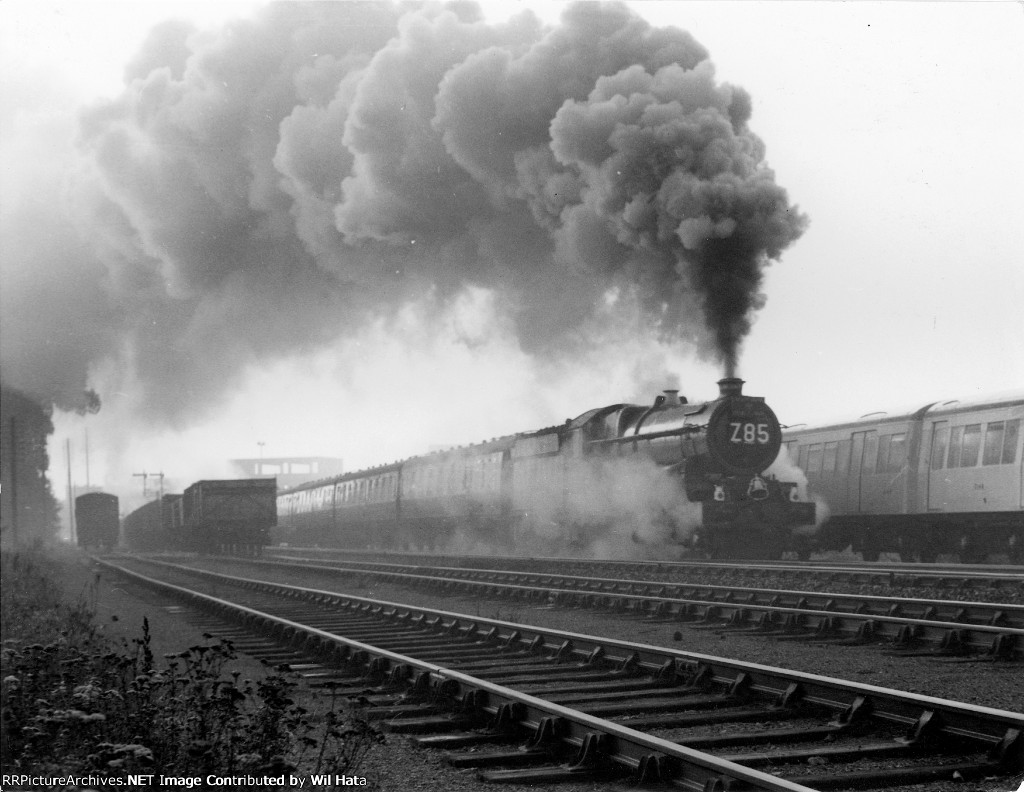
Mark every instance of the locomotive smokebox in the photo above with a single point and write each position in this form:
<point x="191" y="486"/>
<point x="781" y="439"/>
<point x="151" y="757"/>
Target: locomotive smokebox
<point x="730" y="386"/>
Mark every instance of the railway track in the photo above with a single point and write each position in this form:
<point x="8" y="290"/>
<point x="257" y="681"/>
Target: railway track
<point x="996" y="576"/>
<point x="910" y="625"/>
<point x="530" y="704"/>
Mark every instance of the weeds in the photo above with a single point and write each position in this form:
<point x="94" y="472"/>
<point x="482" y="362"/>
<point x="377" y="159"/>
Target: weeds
<point x="75" y="705"/>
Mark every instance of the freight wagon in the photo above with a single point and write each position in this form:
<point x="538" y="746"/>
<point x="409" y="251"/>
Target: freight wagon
<point x="97" y="520"/>
<point x="227" y="515"/>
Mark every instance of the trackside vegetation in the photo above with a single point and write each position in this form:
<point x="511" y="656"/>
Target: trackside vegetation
<point x="76" y="703"/>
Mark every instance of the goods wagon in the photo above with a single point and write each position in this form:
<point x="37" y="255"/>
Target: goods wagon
<point x="97" y="522"/>
<point x="226" y="515"/>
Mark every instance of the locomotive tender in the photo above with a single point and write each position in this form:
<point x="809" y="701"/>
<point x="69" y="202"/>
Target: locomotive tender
<point x="697" y="470"/>
<point x="943" y="478"/>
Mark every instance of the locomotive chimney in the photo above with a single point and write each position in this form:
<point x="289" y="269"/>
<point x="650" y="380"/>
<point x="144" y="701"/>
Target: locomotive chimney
<point x="671" y="398"/>
<point x="730" y="386"/>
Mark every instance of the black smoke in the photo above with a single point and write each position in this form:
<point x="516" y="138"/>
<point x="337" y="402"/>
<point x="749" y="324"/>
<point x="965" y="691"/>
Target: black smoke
<point x="262" y="189"/>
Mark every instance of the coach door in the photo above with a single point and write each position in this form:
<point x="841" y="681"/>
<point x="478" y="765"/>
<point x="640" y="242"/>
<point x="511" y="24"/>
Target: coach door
<point x="937" y="476"/>
<point x="861" y="461"/>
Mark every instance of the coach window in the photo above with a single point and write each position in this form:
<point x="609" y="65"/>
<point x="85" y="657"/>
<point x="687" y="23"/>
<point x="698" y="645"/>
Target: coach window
<point x="939" y="447"/>
<point x="802" y="463"/>
<point x="814" y="459"/>
<point x="972" y="445"/>
<point x="897" y="453"/>
<point x="870" y="454"/>
<point x="956" y="439"/>
<point x="843" y="457"/>
<point x="828" y="464"/>
<point x="882" y="461"/>
<point x="993" y="454"/>
<point x="1010" y="441"/>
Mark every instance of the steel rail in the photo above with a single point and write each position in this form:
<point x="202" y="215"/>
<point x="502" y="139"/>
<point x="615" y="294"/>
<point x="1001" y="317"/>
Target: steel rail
<point x="658" y="759"/>
<point x="998" y="731"/>
<point x="958" y="611"/>
<point x="989" y="574"/>
<point x="948" y="636"/>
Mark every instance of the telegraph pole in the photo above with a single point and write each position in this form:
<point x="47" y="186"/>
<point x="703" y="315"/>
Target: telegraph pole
<point x="14" y="478"/>
<point x="71" y="496"/>
<point x="144" y="476"/>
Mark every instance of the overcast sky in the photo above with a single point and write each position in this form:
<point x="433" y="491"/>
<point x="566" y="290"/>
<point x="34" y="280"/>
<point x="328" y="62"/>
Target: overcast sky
<point x="895" y="128"/>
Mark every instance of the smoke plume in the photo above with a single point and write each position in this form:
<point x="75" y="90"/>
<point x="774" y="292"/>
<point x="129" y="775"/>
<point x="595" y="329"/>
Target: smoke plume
<point x="261" y="190"/>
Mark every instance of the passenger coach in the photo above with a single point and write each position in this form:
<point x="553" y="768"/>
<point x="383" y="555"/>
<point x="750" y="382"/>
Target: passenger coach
<point x="943" y="478"/>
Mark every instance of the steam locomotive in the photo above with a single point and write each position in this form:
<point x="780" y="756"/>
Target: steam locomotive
<point x="667" y="475"/>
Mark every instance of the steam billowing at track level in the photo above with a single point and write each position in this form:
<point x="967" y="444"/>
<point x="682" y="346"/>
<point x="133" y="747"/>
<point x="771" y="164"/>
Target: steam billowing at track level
<point x="259" y="192"/>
